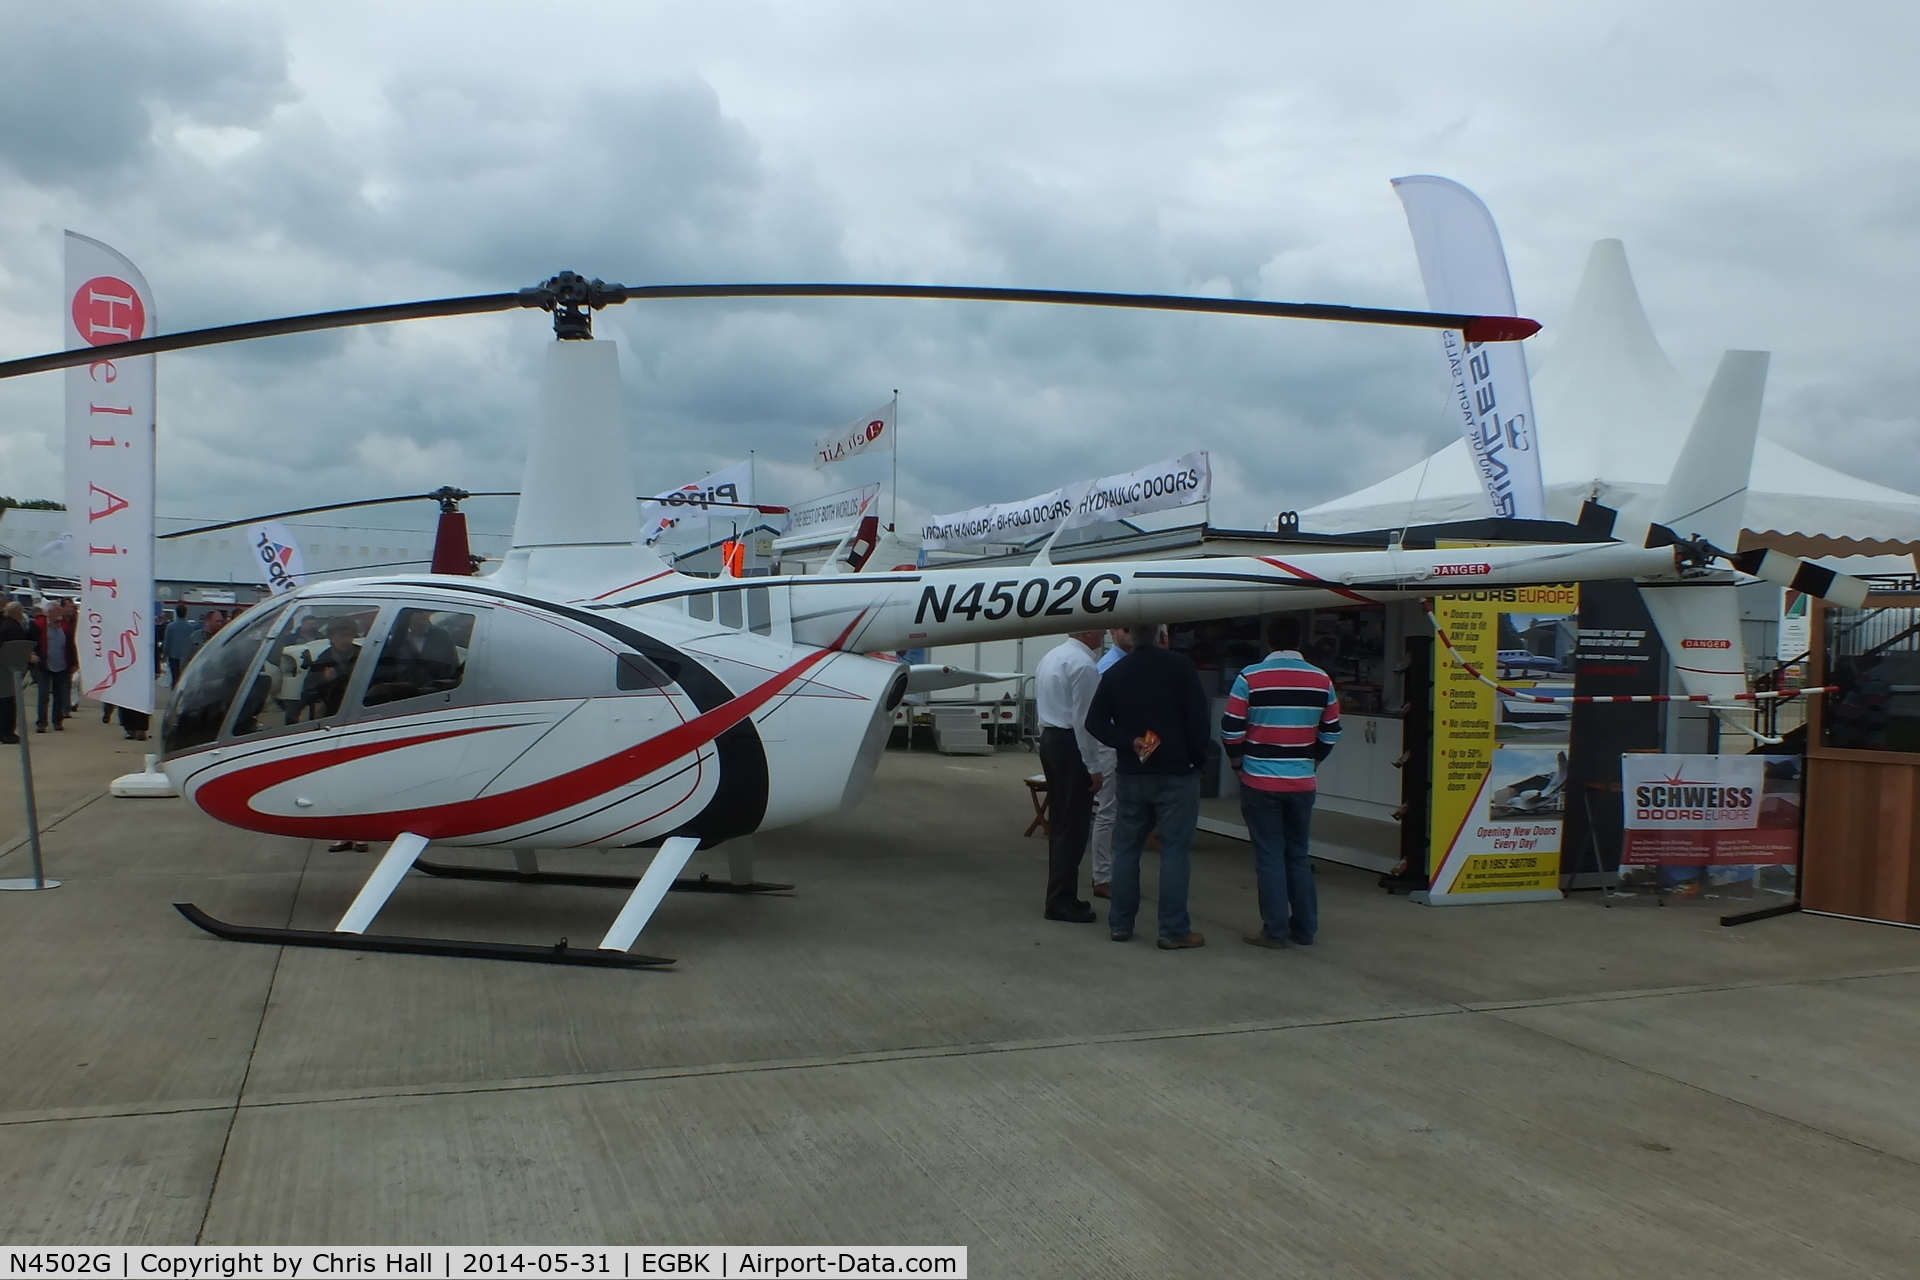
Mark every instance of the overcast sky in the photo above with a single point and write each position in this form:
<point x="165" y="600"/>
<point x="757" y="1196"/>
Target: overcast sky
<point x="262" y="159"/>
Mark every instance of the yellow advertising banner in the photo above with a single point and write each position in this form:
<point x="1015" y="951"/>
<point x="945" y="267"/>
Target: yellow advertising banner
<point x="1500" y="760"/>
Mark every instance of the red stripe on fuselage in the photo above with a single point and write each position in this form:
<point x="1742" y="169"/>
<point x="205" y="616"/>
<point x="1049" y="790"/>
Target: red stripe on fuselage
<point x="230" y="798"/>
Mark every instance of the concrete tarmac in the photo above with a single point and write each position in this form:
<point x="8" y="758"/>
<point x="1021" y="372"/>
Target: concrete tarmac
<point x="903" y="1051"/>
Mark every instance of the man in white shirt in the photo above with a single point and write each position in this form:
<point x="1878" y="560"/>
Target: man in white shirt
<point x="1075" y="764"/>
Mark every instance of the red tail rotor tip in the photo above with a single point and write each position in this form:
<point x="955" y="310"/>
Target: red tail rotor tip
<point x="1500" y="328"/>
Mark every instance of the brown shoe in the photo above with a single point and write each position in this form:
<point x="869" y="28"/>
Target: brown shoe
<point x="1103" y="891"/>
<point x="1181" y="944"/>
<point x="1259" y="939"/>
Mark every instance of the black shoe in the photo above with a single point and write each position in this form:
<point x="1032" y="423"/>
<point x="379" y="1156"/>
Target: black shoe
<point x="9" y="740"/>
<point x="1299" y="941"/>
<point x="1121" y="937"/>
<point x="1079" y="913"/>
<point x="39" y="728"/>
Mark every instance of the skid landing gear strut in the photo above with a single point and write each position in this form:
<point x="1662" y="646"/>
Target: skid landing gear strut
<point x="645" y="893"/>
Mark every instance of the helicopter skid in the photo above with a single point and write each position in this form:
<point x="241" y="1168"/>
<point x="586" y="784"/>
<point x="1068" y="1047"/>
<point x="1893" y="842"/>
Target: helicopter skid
<point x="337" y="940"/>
<point x="591" y="880"/>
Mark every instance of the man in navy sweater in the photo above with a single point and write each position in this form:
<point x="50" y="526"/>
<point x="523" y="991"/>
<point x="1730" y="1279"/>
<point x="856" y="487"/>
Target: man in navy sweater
<point x="1151" y="709"/>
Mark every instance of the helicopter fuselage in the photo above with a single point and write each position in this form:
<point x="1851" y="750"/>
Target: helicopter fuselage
<point x="472" y="714"/>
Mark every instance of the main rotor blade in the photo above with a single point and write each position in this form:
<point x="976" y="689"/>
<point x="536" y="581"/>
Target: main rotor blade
<point x="760" y="507"/>
<point x="330" y="506"/>
<point x="1477" y="328"/>
<point x="477" y="304"/>
<point x="568" y="292"/>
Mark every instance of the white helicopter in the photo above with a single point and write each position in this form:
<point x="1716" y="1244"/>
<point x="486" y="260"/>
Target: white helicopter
<point x="586" y="695"/>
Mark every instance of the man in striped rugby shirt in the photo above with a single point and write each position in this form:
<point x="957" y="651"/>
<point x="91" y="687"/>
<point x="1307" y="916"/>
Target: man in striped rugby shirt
<point x="1282" y="719"/>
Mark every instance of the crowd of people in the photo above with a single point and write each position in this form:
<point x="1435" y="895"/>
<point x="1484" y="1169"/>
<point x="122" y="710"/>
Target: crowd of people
<point x="54" y="664"/>
<point x="1123" y="741"/>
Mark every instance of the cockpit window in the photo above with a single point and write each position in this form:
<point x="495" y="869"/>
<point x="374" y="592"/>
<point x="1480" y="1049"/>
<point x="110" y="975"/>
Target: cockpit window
<point x="305" y="671"/>
<point x="425" y="652"/>
<point x="207" y="686"/>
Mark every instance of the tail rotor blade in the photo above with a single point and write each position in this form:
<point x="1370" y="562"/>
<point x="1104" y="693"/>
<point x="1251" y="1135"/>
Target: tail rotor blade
<point x="1804" y="576"/>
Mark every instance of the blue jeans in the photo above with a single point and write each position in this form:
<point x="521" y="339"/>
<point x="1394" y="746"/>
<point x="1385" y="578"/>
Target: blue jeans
<point x="1170" y="803"/>
<point x="1278" y="822"/>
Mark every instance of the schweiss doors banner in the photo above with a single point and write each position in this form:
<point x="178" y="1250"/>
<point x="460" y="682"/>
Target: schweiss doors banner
<point x="110" y="474"/>
<point x="281" y="564"/>
<point x="1178" y="482"/>
<point x="1465" y="270"/>
<point x="1711" y="810"/>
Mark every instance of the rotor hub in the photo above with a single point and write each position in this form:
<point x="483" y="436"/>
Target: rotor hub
<point x="572" y="298"/>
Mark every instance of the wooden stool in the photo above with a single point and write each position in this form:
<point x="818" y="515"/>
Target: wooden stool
<point x="1037" y="792"/>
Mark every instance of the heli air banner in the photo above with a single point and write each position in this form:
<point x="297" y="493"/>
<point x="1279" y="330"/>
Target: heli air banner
<point x="1464" y="268"/>
<point x="1500" y="760"/>
<point x="109" y="458"/>
<point x="871" y="433"/>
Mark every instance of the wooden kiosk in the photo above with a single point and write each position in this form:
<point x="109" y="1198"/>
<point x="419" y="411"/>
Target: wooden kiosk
<point x="1862" y="843"/>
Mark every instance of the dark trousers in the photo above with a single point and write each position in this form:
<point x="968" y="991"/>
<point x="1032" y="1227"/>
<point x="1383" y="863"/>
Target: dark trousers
<point x="1279" y="823"/>
<point x="6" y="715"/>
<point x="56" y="689"/>
<point x="1070" y="815"/>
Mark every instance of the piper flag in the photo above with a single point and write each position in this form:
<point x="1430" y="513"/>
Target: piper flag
<point x="869" y="434"/>
<point x="109" y="456"/>
<point x="1465" y="270"/>
<point x="281" y="564"/>
<point x="690" y="504"/>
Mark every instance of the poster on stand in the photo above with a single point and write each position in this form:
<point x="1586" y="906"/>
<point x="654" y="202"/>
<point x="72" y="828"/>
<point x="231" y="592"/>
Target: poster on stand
<point x="1711" y="810"/>
<point x="1795" y="636"/>
<point x="1500" y="760"/>
<point x="1619" y="655"/>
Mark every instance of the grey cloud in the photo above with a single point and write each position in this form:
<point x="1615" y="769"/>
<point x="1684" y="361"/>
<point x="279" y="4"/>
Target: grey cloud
<point x="1759" y="180"/>
<point x="84" y="84"/>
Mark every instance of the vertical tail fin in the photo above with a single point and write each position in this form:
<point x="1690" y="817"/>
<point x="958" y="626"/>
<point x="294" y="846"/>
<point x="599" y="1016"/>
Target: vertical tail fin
<point x="1706" y="497"/>
<point x="578" y="520"/>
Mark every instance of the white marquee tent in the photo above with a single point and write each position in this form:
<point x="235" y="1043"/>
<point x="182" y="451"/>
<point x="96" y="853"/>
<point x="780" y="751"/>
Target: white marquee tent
<point x="1612" y="415"/>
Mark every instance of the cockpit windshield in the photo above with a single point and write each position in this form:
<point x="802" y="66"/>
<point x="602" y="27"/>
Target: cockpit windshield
<point x="304" y="673"/>
<point x="199" y="705"/>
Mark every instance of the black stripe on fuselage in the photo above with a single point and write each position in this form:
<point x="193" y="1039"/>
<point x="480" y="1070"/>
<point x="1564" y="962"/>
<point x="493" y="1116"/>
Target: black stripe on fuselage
<point x="747" y="584"/>
<point x="1265" y="580"/>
